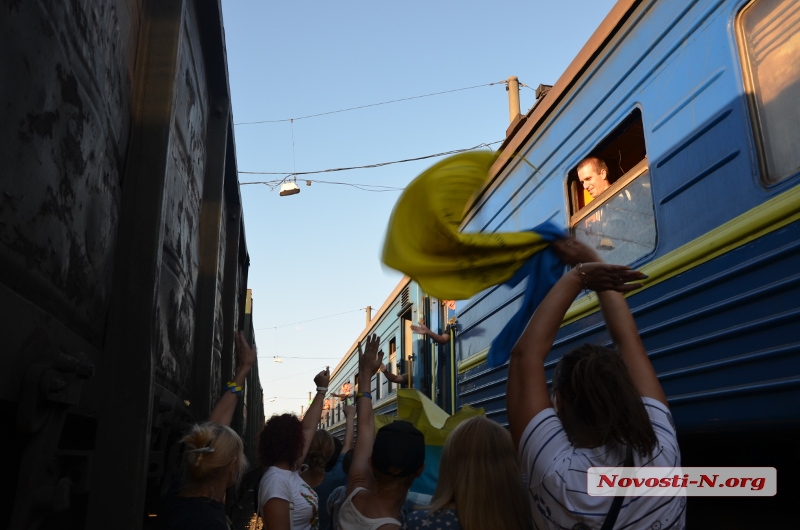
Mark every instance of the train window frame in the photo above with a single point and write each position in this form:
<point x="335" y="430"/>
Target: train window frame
<point x="626" y="144"/>
<point x="767" y="126"/>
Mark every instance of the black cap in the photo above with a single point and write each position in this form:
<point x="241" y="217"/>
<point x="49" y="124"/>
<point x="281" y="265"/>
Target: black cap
<point x="399" y="449"/>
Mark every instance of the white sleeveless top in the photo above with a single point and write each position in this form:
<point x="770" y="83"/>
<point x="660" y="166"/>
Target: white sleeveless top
<point x="351" y="519"/>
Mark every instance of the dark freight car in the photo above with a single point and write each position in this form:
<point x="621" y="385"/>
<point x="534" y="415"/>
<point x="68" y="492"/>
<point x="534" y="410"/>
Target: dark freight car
<point x="123" y="264"/>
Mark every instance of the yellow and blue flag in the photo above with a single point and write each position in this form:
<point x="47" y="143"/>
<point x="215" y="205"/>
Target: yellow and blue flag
<point x="424" y="241"/>
<point x="434" y="424"/>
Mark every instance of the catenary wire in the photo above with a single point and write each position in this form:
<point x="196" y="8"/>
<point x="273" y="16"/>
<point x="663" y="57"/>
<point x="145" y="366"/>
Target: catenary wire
<point x="312" y="319"/>
<point x="367" y="106"/>
<point x="275" y="183"/>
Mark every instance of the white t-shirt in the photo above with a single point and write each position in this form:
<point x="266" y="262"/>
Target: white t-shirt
<point x="556" y="474"/>
<point x="279" y="483"/>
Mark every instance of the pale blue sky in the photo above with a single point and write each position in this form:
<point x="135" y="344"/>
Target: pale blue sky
<point x="316" y="254"/>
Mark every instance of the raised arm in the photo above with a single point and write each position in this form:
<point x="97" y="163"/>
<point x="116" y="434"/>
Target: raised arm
<point x="314" y="412"/>
<point x="527" y="393"/>
<point x="620" y="323"/>
<point x="245" y="359"/>
<point x="625" y="335"/>
<point x="394" y="378"/>
<point x="349" y="427"/>
<point x="368" y="362"/>
<point x="425" y="330"/>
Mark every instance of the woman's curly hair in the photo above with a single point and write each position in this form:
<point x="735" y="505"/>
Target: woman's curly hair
<point x="281" y="440"/>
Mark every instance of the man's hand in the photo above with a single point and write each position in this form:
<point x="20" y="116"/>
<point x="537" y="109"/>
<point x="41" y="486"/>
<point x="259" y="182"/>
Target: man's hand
<point x="349" y="411"/>
<point x="420" y="328"/>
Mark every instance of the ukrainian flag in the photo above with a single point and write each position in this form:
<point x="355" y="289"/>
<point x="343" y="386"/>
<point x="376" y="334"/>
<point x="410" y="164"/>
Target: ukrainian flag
<point x="423" y="241"/>
<point x="435" y="425"/>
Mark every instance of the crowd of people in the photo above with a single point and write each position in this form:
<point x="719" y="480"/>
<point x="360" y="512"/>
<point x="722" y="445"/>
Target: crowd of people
<point x="605" y="407"/>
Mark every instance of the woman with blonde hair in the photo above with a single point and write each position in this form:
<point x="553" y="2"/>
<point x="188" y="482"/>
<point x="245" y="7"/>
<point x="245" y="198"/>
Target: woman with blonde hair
<point x="214" y="460"/>
<point x="480" y="482"/>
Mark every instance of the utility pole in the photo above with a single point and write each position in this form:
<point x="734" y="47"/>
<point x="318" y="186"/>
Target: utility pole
<point x="512" y="85"/>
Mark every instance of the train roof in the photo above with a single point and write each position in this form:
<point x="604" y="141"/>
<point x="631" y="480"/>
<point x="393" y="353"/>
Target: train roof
<point x="367" y="329"/>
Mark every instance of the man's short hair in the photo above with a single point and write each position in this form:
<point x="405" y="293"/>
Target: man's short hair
<point x="598" y="163"/>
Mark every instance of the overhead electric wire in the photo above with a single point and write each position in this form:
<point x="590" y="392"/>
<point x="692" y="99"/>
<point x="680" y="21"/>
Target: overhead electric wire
<point x="274" y="183"/>
<point x="283" y="378"/>
<point x="296" y="357"/>
<point x="367" y="106"/>
<point x="312" y="319"/>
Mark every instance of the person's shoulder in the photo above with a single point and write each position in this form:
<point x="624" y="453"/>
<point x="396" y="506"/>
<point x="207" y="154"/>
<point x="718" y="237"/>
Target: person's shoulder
<point x="192" y="512"/>
<point x="540" y="431"/>
<point x="278" y="480"/>
<point x="658" y="412"/>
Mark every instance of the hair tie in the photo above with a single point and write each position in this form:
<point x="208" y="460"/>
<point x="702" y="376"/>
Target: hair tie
<point x="201" y="450"/>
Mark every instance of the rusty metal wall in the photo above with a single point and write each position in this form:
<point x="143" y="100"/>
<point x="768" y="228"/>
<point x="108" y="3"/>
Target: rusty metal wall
<point x="66" y="94"/>
<point x="123" y="262"/>
<point x="176" y="303"/>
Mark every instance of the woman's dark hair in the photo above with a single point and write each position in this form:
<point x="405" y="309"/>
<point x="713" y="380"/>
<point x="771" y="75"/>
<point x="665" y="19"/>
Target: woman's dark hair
<point x="347" y="461"/>
<point x="281" y="440"/>
<point x="599" y="402"/>
<point x="319" y="452"/>
<point x="337" y="450"/>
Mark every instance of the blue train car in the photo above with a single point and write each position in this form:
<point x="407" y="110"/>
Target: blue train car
<point x="693" y="105"/>
<point x="428" y="365"/>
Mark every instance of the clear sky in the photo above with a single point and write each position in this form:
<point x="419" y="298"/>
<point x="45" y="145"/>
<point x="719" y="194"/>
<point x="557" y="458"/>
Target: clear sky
<point x="315" y="256"/>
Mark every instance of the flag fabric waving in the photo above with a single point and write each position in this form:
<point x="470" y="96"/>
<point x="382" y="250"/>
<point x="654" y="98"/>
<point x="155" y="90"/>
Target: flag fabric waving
<point x="423" y="241"/>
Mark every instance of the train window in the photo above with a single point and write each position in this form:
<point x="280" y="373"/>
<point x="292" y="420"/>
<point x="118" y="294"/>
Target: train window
<point x="392" y="364"/>
<point x="611" y="202"/>
<point x="375" y="390"/>
<point x="769" y="43"/>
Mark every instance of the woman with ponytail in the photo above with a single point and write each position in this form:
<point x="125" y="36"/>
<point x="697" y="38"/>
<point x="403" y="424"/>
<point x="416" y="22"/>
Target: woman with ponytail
<point x="606" y="407"/>
<point x="214" y="460"/>
<point x="319" y="453"/>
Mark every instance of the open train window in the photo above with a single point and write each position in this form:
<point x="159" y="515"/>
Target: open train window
<point x="769" y="44"/>
<point x="610" y="198"/>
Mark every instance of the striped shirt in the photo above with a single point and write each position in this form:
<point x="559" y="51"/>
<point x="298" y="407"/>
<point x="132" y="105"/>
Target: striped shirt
<point x="556" y="475"/>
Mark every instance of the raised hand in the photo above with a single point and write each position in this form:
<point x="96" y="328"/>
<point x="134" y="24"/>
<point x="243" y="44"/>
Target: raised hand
<point x="349" y="411"/>
<point x="420" y="328"/>
<point x="571" y="251"/>
<point x="323" y="378"/>
<point x="245" y="355"/>
<point x="370" y="359"/>
<point x="605" y="277"/>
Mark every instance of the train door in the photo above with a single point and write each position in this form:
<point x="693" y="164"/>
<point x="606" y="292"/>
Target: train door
<point x="407" y="346"/>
